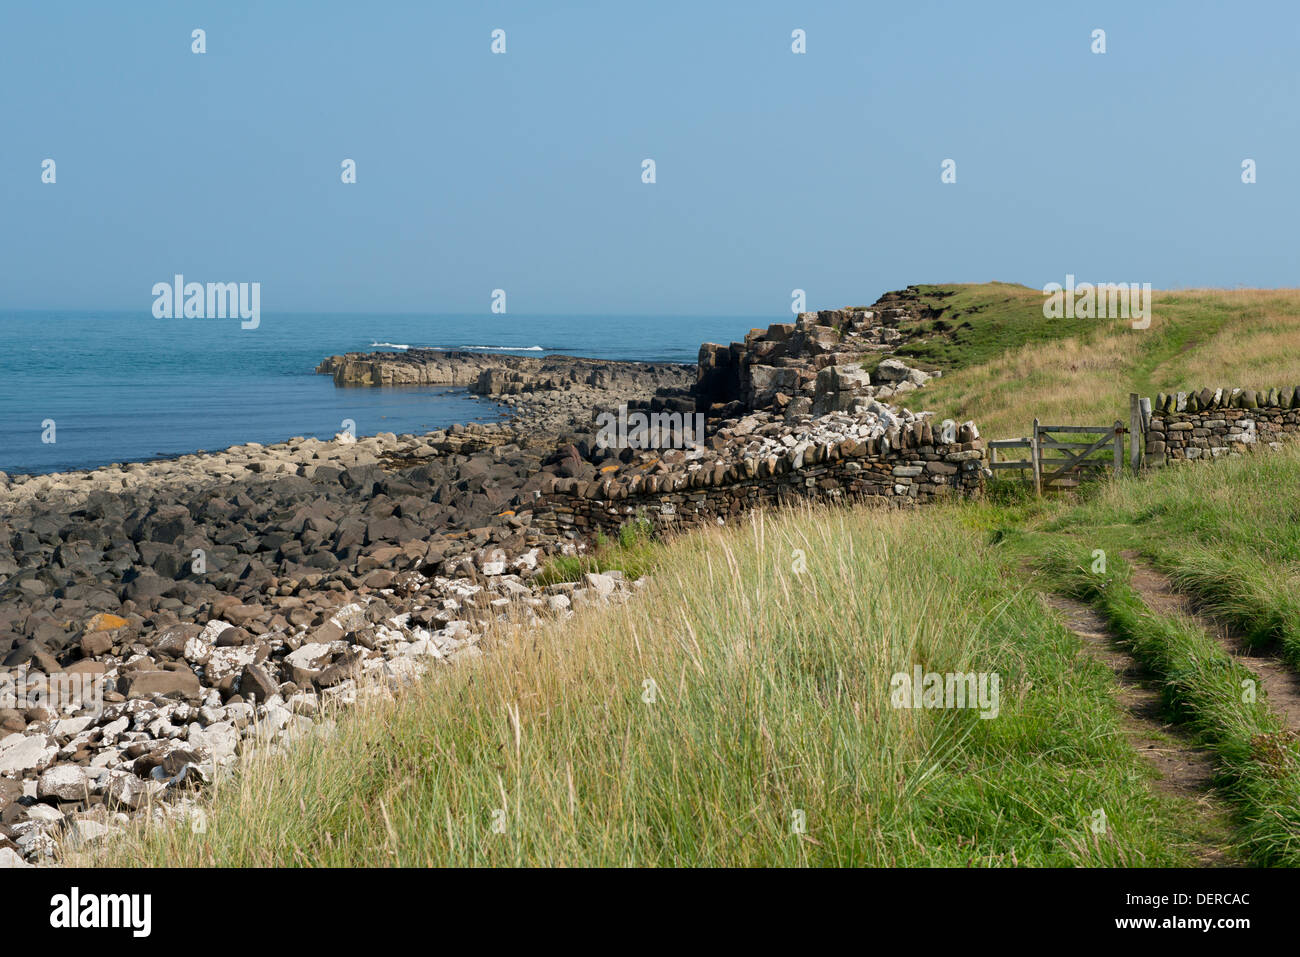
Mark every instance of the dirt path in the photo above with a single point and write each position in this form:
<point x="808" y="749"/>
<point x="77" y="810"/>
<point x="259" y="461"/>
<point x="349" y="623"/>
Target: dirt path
<point x="1281" y="684"/>
<point x="1184" y="770"/>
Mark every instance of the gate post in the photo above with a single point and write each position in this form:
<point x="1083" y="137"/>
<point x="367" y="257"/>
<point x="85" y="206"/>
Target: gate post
<point x="1119" y="448"/>
<point x="1134" y="431"/>
<point x="1036" y="457"/>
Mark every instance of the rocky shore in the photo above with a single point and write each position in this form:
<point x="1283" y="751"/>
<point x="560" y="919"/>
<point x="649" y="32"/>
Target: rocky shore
<point x="156" y="619"/>
<point x="552" y="393"/>
<point x="214" y="597"/>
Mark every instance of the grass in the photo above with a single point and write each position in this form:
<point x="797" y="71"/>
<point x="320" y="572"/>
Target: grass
<point x="634" y="551"/>
<point x="964" y="325"/>
<point x="1228" y="535"/>
<point x="1226" y="532"/>
<point x="1247" y="596"/>
<point x="1216" y="695"/>
<point x="1005" y="364"/>
<point x="746" y="689"/>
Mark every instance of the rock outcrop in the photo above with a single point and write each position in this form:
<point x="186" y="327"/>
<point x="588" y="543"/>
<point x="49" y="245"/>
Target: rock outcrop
<point x="828" y="361"/>
<point x="491" y="374"/>
<point x="551" y="393"/>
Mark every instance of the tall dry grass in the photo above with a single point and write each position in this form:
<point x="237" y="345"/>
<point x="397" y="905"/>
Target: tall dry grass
<point x="737" y="712"/>
<point x="1246" y="338"/>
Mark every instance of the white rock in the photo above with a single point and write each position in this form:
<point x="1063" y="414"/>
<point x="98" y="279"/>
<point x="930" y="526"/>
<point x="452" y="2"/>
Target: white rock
<point x="241" y="710"/>
<point x="603" y="585"/>
<point x="70" y="727"/>
<point x="308" y="655"/>
<point x="528" y="560"/>
<point x="105" y="758"/>
<point x="44" y="814"/>
<point x="275" y="717"/>
<point x="10" y="858"/>
<point x="28" y="753"/>
<point x="224" y="662"/>
<point x="162" y="728"/>
<point x="421" y="649"/>
<point x="131" y="791"/>
<point x="212" y="631"/>
<point x="351" y="617"/>
<point x="220" y="739"/>
<point x="196" y="650"/>
<point x="84" y="831"/>
<point x="402" y="670"/>
<point x="67" y="782"/>
<point x="303" y="703"/>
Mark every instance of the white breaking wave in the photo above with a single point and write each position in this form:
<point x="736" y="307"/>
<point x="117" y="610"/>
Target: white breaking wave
<point x="389" y="345"/>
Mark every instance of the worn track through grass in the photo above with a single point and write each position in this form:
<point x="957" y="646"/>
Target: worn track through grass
<point x="1184" y="770"/>
<point x="1281" y="684"/>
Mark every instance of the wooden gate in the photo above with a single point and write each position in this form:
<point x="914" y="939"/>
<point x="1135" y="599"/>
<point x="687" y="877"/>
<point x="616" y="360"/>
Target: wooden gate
<point x="1059" y="463"/>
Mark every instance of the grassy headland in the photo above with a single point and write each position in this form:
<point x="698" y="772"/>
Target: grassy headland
<point x="1005" y="364"/>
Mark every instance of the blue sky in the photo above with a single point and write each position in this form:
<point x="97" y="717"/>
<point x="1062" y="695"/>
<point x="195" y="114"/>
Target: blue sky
<point x="523" y="171"/>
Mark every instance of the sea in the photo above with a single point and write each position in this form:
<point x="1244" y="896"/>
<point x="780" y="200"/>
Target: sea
<point x="79" y="390"/>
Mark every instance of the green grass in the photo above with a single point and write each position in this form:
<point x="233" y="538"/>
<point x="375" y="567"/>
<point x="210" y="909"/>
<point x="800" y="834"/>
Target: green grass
<point x="771" y="649"/>
<point x="633" y="551"/>
<point x="1246" y="595"/>
<point x="1216" y="696"/>
<point x="1228" y="534"/>
<point x="977" y="323"/>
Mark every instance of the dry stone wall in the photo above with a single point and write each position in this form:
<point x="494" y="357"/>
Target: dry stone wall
<point x="905" y="468"/>
<point x="1216" y="422"/>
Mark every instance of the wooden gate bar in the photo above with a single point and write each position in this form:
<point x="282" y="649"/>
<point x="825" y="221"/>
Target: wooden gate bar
<point x="1112" y="434"/>
<point x="1075" y="459"/>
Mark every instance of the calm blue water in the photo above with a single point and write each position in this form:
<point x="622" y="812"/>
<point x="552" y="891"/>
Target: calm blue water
<point x="124" y="387"/>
